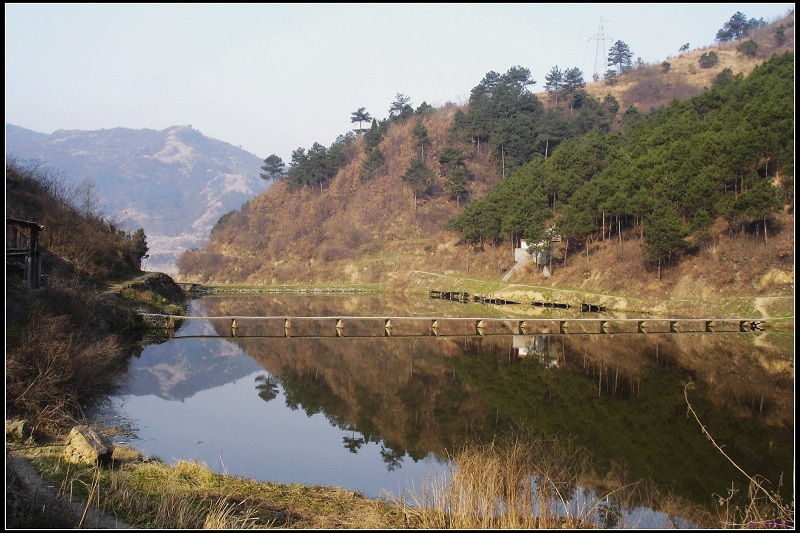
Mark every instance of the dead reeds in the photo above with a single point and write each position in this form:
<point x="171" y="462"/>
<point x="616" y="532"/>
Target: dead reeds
<point x="515" y="483"/>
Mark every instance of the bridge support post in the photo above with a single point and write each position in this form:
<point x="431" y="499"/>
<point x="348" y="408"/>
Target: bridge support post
<point x="562" y="326"/>
<point x="673" y="326"/>
<point x="709" y="326"/>
<point x="387" y="327"/>
<point x="340" y="328"/>
<point x="479" y="325"/>
<point x="287" y="327"/>
<point x="435" y="327"/>
<point x="640" y="327"/>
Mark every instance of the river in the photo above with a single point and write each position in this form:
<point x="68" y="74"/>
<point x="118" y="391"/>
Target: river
<point x="381" y="415"/>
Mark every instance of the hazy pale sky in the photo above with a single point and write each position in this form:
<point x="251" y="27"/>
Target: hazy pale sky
<point x="272" y="78"/>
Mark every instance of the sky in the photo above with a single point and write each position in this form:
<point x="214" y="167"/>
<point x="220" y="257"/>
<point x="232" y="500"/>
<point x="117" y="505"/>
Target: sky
<point x="272" y="78"/>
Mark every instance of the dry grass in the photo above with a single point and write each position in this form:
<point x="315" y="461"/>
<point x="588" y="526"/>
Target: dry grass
<point x="511" y="484"/>
<point x="685" y="78"/>
<point x="55" y="369"/>
<point x="514" y="483"/>
<point x="188" y="495"/>
<point x="490" y="487"/>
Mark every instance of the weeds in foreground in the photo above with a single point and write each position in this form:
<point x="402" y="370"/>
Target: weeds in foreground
<point x="54" y="369"/>
<point x="516" y="483"/>
<point x="764" y="508"/>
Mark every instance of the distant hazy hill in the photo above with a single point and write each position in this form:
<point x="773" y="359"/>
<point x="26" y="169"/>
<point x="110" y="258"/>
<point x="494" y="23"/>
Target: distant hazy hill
<point x="174" y="183"/>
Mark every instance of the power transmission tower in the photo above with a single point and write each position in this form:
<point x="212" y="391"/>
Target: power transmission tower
<point x="600" y="55"/>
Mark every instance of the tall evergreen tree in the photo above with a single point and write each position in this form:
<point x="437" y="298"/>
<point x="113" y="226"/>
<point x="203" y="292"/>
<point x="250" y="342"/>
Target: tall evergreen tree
<point x="401" y="107"/>
<point x="296" y="176"/>
<point x="139" y="242"/>
<point x="457" y="185"/>
<point x="372" y="138"/>
<point x="420" y="177"/>
<point x="736" y="28"/>
<point x="664" y="234"/>
<point x="273" y="168"/>
<point x="780" y="35"/>
<point x="620" y="56"/>
<point x="420" y="134"/>
<point x="759" y="202"/>
<point x="554" y="82"/>
<point x="374" y="162"/>
<point x="452" y="164"/>
<point x="360" y="115"/>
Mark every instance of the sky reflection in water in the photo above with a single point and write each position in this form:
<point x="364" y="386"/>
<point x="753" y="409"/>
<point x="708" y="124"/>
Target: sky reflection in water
<point x="217" y="417"/>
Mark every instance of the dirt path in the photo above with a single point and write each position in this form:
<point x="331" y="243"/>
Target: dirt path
<point x="28" y="487"/>
<point x="116" y="287"/>
<point x="761" y="305"/>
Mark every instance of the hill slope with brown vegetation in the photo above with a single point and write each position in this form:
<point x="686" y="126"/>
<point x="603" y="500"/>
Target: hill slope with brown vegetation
<point x="653" y="86"/>
<point x="64" y="338"/>
<point x="378" y="231"/>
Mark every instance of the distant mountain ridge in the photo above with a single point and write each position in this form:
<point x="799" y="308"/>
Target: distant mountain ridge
<point x="175" y="183"/>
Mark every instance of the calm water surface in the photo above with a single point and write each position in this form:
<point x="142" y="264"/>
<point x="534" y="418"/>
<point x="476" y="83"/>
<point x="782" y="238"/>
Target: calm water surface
<point x="378" y="415"/>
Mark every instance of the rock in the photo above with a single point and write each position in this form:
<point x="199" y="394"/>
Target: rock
<point x="85" y="446"/>
<point x="17" y="429"/>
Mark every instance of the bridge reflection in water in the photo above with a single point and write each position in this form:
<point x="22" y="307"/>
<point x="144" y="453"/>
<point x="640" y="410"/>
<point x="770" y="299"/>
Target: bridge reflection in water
<point x="290" y="405"/>
<point x="410" y="326"/>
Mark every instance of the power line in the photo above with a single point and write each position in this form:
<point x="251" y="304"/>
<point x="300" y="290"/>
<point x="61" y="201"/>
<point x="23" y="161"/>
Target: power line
<point x="600" y="55"/>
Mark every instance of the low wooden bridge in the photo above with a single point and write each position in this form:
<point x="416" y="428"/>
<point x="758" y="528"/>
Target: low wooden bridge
<point x="406" y="326"/>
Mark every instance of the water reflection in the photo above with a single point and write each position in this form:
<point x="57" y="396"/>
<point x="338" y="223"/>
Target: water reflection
<point x="375" y="414"/>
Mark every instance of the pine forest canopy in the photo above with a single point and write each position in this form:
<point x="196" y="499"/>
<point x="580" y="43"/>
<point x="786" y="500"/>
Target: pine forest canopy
<point x="670" y="173"/>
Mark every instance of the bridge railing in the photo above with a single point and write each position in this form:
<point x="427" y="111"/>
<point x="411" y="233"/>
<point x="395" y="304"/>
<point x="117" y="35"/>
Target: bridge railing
<point x="395" y="326"/>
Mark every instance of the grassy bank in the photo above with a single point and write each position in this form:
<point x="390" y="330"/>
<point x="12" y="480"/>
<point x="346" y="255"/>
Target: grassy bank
<point x="489" y="487"/>
<point x="514" y="484"/>
<point x="778" y="309"/>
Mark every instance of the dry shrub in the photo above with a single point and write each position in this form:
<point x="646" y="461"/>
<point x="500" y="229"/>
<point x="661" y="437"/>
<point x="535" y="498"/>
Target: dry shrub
<point x="53" y="370"/>
<point x="284" y="273"/>
<point x="652" y="89"/>
<point x="177" y="507"/>
<point x="335" y="252"/>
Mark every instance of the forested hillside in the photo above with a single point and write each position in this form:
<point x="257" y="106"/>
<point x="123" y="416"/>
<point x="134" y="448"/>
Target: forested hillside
<point x="701" y="186"/>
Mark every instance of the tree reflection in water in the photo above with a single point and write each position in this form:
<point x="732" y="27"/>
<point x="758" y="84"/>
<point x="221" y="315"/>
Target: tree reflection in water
<point x="267" y="387"/>
<point x="619" y="396"/>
